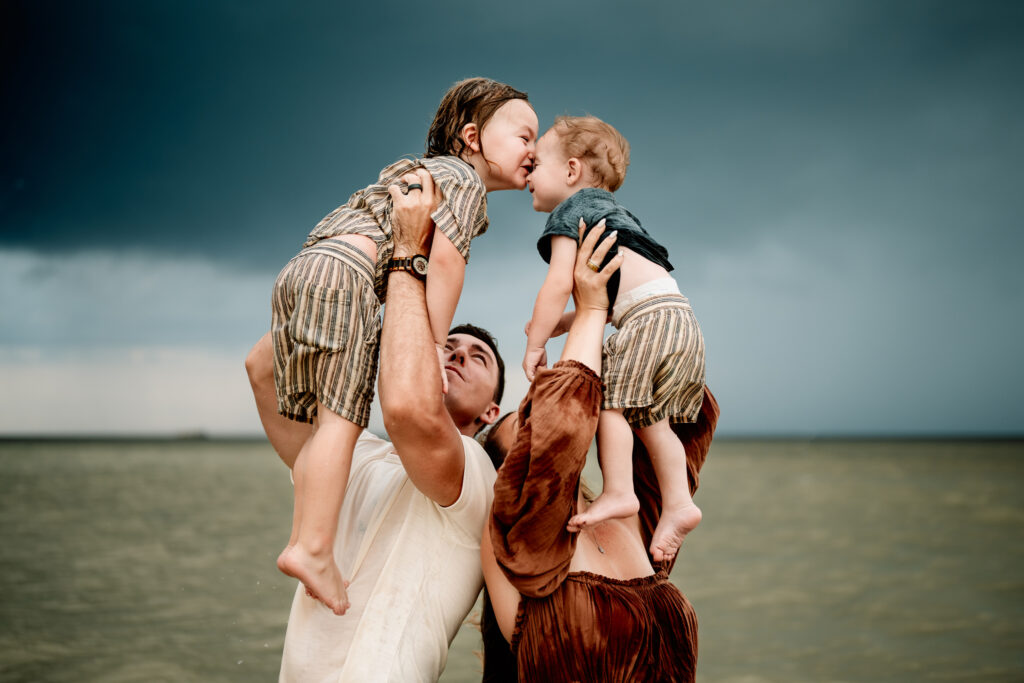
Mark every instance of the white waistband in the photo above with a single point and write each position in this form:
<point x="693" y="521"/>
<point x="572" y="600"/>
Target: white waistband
<point x="624" y="300"/>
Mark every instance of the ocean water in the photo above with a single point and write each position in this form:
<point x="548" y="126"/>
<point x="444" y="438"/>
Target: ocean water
<point x="816" y="561"/>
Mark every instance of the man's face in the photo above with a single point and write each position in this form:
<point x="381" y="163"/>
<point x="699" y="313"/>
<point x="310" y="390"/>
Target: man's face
<point x="472" y="372"/>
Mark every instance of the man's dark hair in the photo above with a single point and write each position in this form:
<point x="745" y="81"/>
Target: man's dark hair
<point x="485" y="336"/>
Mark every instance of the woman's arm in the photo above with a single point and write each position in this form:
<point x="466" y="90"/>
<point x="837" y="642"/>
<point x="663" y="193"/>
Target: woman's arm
<point x="504" y="596"/>
<point x="535" y="493"/>
<point x="550" y="304"/>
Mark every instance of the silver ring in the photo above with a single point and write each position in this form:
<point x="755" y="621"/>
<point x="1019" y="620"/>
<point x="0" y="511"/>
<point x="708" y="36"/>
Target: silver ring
<point x="414" y="186"/>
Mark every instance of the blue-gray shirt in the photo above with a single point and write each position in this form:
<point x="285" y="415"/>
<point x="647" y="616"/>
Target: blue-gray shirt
<point x="593" y="204"/>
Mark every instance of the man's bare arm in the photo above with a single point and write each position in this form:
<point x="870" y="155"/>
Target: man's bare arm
<point x="422" y="431"/>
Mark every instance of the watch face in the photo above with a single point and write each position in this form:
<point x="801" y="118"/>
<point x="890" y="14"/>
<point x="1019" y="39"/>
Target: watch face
<point x="419" y="264"/>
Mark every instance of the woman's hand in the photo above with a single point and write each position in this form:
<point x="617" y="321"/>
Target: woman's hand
<point x="590" y="286"/>
<point x="591" y="296"/>
<point x="410" y="214"/>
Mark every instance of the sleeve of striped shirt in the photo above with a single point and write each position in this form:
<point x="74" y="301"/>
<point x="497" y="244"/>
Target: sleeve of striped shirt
<point x="458" y="214"/>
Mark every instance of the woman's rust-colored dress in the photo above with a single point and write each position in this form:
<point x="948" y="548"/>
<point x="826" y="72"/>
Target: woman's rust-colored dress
<point x="579" y="626"/>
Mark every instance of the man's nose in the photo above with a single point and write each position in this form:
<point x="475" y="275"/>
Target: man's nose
<point x="458" y="355"/>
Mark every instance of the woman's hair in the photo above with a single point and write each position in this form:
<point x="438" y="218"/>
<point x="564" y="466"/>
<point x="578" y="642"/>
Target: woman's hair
<point x="473" y="100"/>
<point x="598" y="145"/>
<point x="490" y="442"/>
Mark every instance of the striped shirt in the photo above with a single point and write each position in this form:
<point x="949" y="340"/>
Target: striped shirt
<point x="461" y="213"/>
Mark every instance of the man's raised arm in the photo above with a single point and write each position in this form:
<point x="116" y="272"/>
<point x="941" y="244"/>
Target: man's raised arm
<point x="417" y="422"/>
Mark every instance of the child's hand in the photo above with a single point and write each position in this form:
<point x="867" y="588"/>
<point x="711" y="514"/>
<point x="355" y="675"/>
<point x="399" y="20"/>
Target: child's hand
<point x="441" y="357"/>
<point x="564" y="323"/>
<point x="535" y="359"/>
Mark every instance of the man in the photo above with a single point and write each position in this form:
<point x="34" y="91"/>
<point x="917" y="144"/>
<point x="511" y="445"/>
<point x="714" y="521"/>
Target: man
<point x="409" y="530"/>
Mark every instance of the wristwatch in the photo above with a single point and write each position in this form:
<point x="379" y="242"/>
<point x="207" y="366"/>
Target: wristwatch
<point x="416" y="265"/>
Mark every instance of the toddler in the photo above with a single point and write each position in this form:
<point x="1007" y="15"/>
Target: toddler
<point x="653" y="365"/>
<point x="326" y="301"/>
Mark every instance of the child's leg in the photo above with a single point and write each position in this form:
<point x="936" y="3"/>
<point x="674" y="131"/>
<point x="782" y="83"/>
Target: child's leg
<point x="298" y="477"/>
<point x="615" y="452"/>
<point x="323" y="467"/>
<point x="285" y="435"/>
<point x="679" y="515"/>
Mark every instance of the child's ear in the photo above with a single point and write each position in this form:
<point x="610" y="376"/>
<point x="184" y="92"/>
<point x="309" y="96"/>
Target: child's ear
<point x="574" y="171"/>
<point x="471" y="136"/>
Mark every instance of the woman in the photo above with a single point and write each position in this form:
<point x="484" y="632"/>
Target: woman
<point x="589" y="606"/>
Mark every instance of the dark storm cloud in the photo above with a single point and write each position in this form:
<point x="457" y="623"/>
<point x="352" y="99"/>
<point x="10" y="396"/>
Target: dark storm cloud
<point x="836" y="182"/>
<point x="226" y="129"/>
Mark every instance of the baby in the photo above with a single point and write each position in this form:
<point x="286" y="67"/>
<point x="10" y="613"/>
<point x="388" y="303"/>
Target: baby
<point x="326" y="302"/>
<point x="653" y="365"/>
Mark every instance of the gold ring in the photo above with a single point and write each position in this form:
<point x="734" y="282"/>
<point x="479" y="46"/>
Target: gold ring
<point x="593" y="266"/>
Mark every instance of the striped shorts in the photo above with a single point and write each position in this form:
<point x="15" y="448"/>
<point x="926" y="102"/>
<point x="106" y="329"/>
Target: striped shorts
<point x="325" y="327"/>
<point x="653" y="365"/>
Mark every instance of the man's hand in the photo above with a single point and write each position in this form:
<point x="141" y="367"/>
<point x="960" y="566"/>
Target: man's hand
<point x="410" y="214"/>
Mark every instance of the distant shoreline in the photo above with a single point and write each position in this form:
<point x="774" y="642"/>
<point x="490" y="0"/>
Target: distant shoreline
<point x="733" y="438"/>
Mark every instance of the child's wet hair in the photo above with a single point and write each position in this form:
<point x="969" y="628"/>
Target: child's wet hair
<point x="602" y="149"/>
<point x="473" y="100"/>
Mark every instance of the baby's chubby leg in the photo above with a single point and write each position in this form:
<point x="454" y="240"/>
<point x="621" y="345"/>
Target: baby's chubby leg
<point x="679" y="514"/>
<point x="615" y="451"/>
<point x="323" y="467"/>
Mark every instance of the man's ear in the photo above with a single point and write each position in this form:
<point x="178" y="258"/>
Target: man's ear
<point x="574" y="171"/>
<point x="490" y="414"/>
<point x="471" y="136"/>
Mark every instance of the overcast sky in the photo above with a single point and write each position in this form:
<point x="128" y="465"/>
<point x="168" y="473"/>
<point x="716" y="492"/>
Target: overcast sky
<point x="836" y="182"/>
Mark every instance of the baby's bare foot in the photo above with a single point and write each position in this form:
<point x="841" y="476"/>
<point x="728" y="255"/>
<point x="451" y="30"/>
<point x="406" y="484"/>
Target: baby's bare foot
<point x="609" y="505"/>
<point x="282" y="559"/>
<point x="319" y="574"/>
<point x="674" y="525"/>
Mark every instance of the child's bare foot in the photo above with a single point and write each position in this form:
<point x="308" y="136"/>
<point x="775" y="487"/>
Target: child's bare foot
<point x="674" y="525"/>
<point x="609" y="505"/>
<point x="282" y="559"/>
<point x="318" y="574"/>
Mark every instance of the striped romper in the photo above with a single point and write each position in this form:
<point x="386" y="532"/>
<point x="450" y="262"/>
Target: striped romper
<point x="325" y="309"/>
<point x="653" y="366"/>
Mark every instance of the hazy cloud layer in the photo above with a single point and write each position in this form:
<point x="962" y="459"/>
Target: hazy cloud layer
<point x="836" y="182"/>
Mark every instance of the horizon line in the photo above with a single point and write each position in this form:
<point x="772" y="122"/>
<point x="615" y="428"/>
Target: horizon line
<point x="199" y="436"/>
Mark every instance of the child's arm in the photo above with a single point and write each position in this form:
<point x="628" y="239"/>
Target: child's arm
<point x="551" y="301"/>
<point x="444" y="286"/>
<point x="564" y="324"/>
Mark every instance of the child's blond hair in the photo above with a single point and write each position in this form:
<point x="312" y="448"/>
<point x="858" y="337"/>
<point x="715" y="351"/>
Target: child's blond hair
<point x="598" y="145"/>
